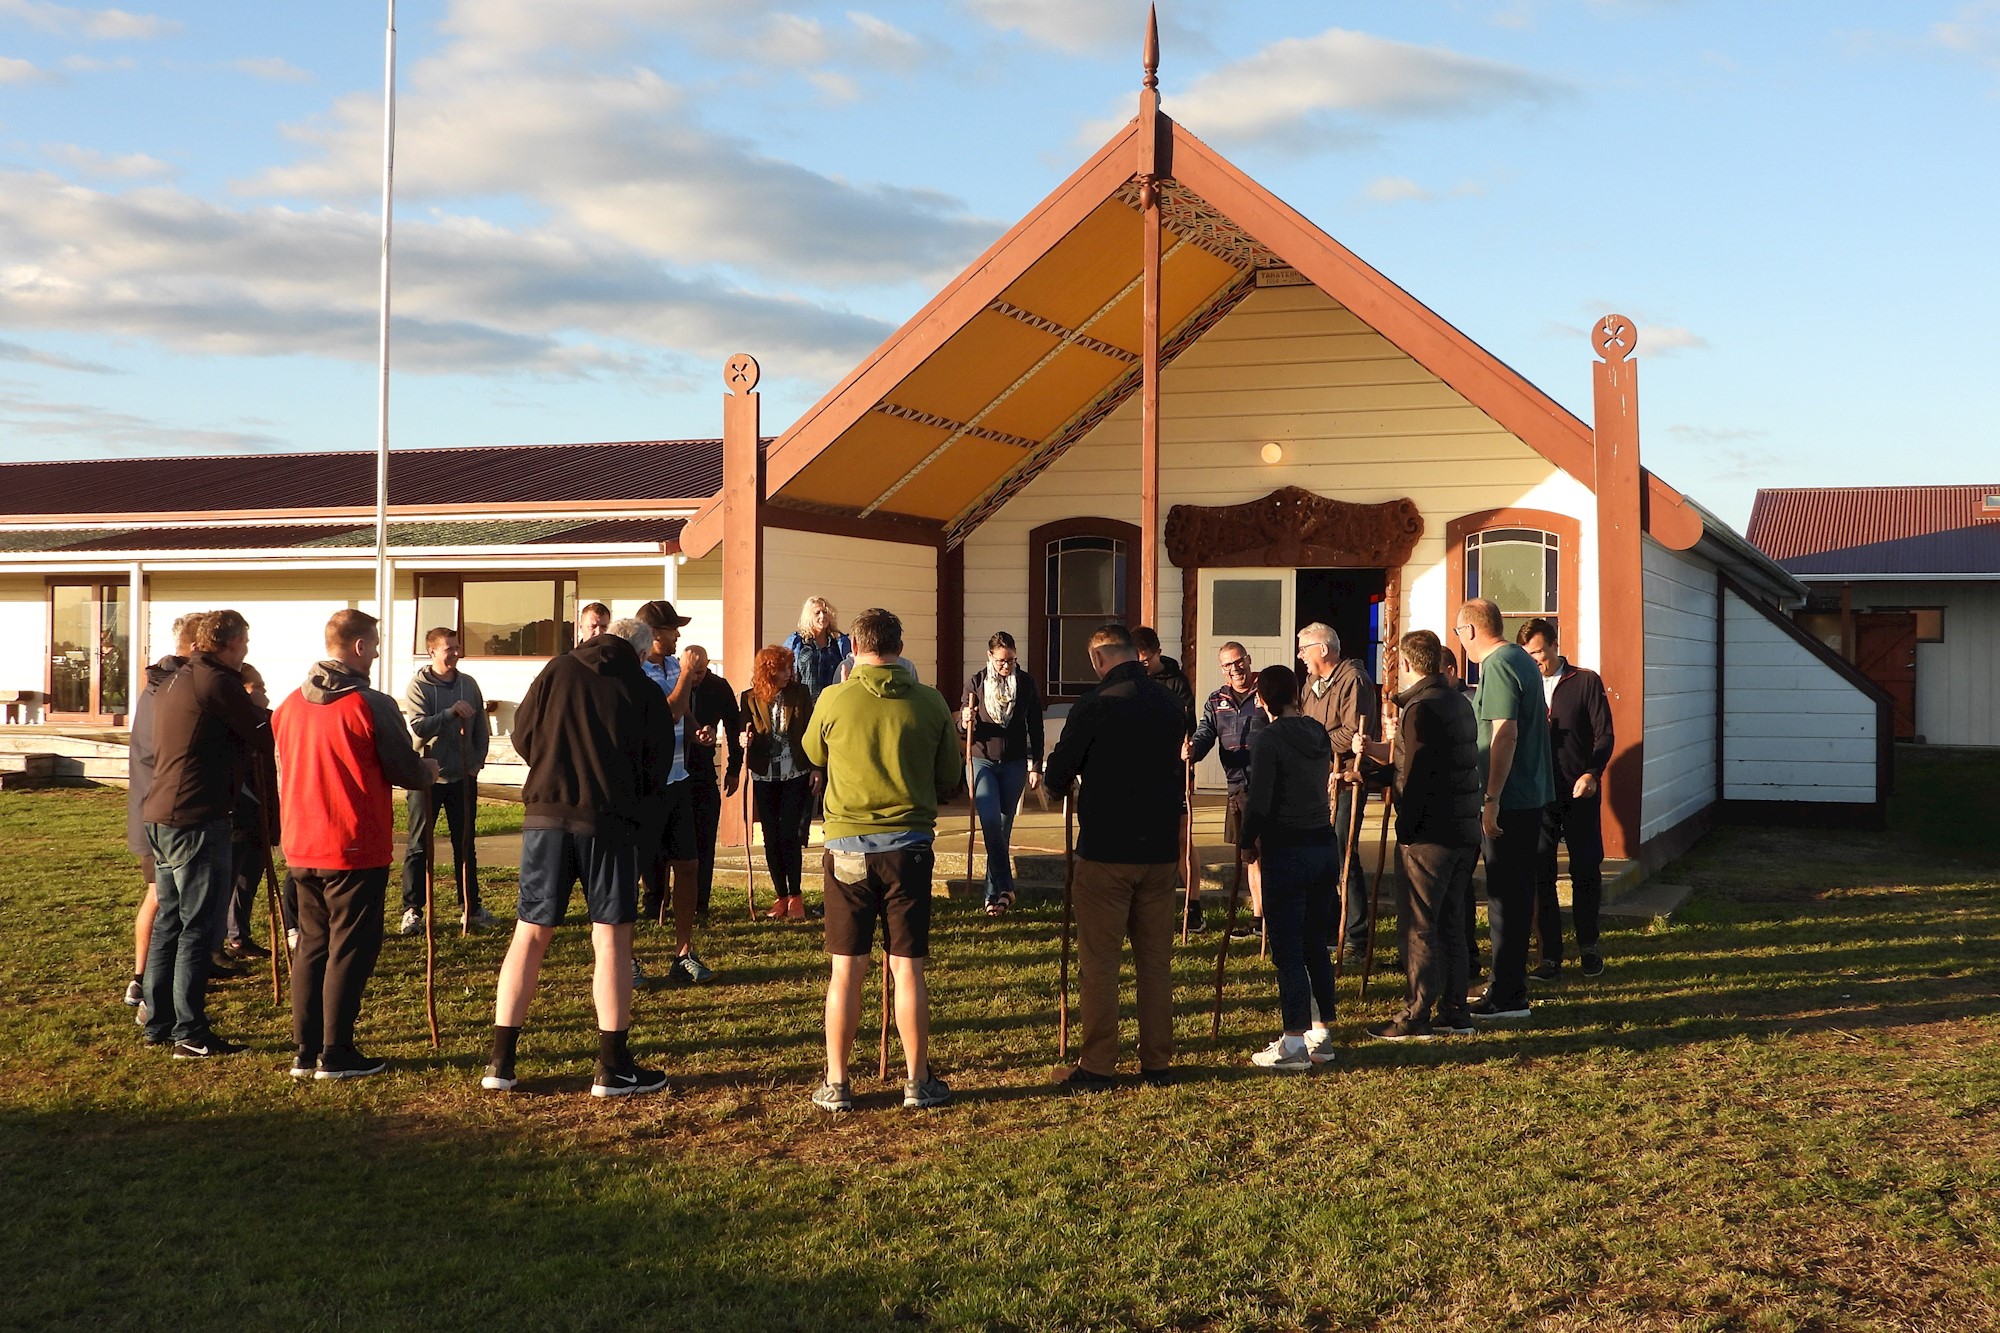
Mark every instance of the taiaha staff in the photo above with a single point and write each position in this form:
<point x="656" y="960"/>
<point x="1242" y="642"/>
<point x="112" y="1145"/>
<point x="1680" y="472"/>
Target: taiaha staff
<point x="882" y="1064"/>
<point x="430" y="921"/>
<point x="971" y="793"/>
<point x="468" y="868"/>
<point x="270" y="869"/>
<point x="1069" y="888"/>
<point x="1357" y="812"/>
<point x="1222" y="954"/>
<point x="1189" y="873"/>
<point x="1381" y="857"/>
<point x="749" y="861"/>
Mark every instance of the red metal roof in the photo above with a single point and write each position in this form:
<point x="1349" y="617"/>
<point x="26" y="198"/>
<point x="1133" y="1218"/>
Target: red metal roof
<point x="496" y="474"/>
<point x="1787" y="524"/>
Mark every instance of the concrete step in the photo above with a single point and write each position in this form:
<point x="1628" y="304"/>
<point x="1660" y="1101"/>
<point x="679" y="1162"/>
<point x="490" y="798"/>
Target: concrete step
<point x="41" y="740"/>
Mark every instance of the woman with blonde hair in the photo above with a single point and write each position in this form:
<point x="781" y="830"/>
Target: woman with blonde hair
<point x="817" y="646"/>
<point x="776" y="709"/>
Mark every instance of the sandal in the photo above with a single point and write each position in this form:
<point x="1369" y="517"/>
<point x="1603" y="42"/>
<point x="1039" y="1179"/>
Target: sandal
<point x="1001" y="904"/>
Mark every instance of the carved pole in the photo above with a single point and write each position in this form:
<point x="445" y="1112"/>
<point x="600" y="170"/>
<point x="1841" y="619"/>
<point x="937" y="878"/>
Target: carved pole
<point x="1621" y="623"/>
<point x="1152" y="170"/>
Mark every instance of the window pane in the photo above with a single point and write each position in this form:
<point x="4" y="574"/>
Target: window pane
<point x="1510" y="575"/>
<point x="69" y="649"/>
<point x="1086" y="584"/>
<point x="511" y="618"/>
<point x="114" y="642"/>
<point x="1073" y="653"/>
<point x="437" y="608"/>
<point x="1247" y="608"/>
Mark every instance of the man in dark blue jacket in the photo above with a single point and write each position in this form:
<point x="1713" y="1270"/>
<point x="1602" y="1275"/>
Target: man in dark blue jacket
<point x="1579" y="747"/>
<point x="1122" y="739"/>
<point x="1230" y="720"/>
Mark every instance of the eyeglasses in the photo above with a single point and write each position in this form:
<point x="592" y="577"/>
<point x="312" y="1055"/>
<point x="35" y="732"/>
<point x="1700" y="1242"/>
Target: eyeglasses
<point x="1236" y="664"/>
<point x="1004" y="661"/>
<point x="1312" y="643"/>
<point x="1464" y="631"/>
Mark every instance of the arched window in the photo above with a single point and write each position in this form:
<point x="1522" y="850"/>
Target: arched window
<point x="1082" y="573"/>
<point x="1523" y="559"/>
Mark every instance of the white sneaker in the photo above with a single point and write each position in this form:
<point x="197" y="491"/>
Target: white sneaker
<point x="412" y="923"/>
<point x="1319" y="1046"/>
<point x="1283" y="1057"/>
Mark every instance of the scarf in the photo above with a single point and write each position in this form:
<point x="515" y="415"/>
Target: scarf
<point x="999" y="697"/>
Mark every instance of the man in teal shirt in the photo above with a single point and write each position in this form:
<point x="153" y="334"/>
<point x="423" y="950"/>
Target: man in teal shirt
<point x="1514" y="750"/>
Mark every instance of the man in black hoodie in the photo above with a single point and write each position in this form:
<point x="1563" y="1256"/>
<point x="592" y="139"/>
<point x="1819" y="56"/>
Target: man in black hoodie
<point x="1435" y="747"/>
<point x="1165" y="671"/>
<point x="204" y="727"/>
<point x="592" y="729"/>
<point x="1580" y="742"/>
<point x="1123" y="739"/>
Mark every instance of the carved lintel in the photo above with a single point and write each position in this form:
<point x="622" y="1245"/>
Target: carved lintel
<point x="1293" y="526"/>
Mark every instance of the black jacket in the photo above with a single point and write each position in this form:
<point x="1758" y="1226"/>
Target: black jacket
<point x="712" y="704"/>
<point x="1124" y="740"/>
<point x="1175" y="681"/>
<point x="1021" y="738"/>
<point x="1285" y="804"/>
<point x="797" y="701"/>
<point x="596" y="734"/>
<point x="1579" y="727"/>
<point x="139" y="758"/>
<point x="203" y="727"/>
<point x="1439" y="781"/>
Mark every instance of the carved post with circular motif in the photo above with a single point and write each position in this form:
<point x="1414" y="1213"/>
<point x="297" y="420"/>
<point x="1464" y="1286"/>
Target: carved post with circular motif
<point x="742" y="536"/>
<point x="1621" y="574"/>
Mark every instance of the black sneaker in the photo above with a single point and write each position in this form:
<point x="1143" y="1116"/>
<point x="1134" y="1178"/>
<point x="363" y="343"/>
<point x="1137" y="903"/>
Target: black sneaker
<point x="1247" y="930"/>
<point x="1197" y="922"/>
<point x="1593" y="963"/>
<point x="1546" y="970"/>
<point x="221" y="969"/>
<point x="1077" y="1079"/>
<point x="135" y="994"/>
<point x="1398" y="1029"/>
<point x="1157" y="1078"/>
<point x="304" y="1063"/>
<point x="627" y="1082"/>
<point x="338" y="1063"/>
<point x="1458" y="1024"/>
<point x="242" y="950"/>
<point x="203" y="1048"/>
<point x="499" y="1078"/>
<point x="1487" y="1009"/>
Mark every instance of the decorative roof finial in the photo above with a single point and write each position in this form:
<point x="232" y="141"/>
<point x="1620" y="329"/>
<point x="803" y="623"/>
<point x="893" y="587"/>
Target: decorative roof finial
<point x="1152" y="46"/>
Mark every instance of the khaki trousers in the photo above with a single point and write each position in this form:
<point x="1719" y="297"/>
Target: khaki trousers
<point x="1114" y="902"/>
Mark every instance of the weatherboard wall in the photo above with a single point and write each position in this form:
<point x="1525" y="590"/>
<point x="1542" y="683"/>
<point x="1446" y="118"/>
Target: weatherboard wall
<point x="1680" y="610"/>
<point x="853" y="573"/>
<point x="1958" y="686"/>
<point x="1794" y="729"/>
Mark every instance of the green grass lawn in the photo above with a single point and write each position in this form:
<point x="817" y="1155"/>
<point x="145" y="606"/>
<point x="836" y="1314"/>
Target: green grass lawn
<point x="1780" y="1111"/>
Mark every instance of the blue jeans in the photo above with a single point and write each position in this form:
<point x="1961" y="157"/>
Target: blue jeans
<point x="193" y="868"/>
<point x="1300" y="886"/>
<point x="996" y="794"/>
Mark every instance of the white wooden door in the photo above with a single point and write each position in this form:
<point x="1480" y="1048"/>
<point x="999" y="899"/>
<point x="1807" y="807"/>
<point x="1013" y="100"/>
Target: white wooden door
<point x="1253" y="607"/>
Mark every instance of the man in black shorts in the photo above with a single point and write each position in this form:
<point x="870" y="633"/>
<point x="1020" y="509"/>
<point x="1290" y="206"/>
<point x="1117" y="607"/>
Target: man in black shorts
<point x="591" y="729"/>
<point x="890" y="750"/>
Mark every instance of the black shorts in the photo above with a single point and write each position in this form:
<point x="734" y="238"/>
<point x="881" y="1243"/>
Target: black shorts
<point x="677" y="837"/>
<point x="894" y="886"/>
<point x="553" y="860"/>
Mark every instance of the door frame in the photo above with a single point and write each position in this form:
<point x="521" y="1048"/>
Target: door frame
<point x="96" y="583"/>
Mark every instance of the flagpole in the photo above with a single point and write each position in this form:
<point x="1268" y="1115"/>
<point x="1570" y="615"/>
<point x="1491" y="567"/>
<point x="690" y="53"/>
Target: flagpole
<point x="385" y="592"/>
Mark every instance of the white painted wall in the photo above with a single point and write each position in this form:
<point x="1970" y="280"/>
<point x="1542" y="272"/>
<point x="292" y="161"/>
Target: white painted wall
<point x="1794" y="729"/>
<point x="287" y="611"/>
<point x="1358" y="420"/>
<point x="1680" y="611"/>
<point x="1958" y="682"/>
<point x="24" y="633"/>
<point x="854" y="574"/>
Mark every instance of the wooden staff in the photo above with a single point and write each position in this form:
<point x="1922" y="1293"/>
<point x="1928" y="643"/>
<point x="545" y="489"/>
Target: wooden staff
<point x="468" y="867"/>
<point x="1191" y="873"/>
<point x="270" y="872"/>
<point x="749" y="862"/>
<point x="971" y="795"/>
<point x="430" y="920"/>
<point x="1222" y="954"/>
<point x="882" y="1065"/>
<point x="1358" y="812"/>
<point x="1375" y="898"/>
<point x="1069" y="889"/>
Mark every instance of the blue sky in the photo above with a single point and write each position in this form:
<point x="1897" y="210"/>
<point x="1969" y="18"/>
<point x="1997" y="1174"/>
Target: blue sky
<point x="598" y="200"/>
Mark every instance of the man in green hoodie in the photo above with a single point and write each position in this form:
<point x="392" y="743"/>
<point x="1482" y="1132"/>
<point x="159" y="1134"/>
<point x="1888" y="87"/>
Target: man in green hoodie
<point x="890" y="751"/>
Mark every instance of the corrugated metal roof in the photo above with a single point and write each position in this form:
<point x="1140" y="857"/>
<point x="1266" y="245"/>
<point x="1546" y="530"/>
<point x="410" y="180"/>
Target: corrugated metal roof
<point x="580" y="530"/>
<point x="1788" y="524"/>
<point x="498" y="474"/>
<point x="1973" y="550"/>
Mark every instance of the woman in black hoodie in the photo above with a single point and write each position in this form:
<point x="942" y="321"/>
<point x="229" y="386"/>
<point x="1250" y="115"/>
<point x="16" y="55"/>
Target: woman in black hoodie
<point x="1288" y="829"/>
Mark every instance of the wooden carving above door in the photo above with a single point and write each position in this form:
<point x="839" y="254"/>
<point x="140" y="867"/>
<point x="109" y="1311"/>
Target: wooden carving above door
<point x="1295" y="527"/>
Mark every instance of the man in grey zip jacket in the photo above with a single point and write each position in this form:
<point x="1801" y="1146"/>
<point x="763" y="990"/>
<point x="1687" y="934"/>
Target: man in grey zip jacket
<point x="447" y="715"/>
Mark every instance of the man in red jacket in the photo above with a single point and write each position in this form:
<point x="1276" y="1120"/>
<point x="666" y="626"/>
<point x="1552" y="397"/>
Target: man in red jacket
<point x="341" y="748"/>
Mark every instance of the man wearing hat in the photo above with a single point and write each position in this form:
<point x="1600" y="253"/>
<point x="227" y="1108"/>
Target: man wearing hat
<point x="678" y="860"/>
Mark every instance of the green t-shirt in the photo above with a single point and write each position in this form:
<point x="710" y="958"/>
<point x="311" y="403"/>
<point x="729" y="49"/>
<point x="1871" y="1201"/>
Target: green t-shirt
<point x="1510" y="686"/>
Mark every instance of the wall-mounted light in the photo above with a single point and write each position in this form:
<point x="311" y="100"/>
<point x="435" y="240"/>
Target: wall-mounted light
<point x="1274" y="452"/>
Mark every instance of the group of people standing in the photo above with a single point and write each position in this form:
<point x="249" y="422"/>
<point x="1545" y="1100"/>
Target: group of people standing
<point x="625" y="787"/>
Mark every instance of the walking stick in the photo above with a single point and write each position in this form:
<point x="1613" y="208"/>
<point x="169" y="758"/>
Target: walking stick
<point x="1357" y="813"/>
<point x="1222" y="954"/>
<point x="749" y="862"/>
<point x="971" y="798"/>
<point x="468" y="867"/>
<point x="1375" y="897"/>
<point x="882" y="1066"/>
<point x="1069" y="888"/>
<point x="430" y="922"/>
<point x="270" y="871"/>
<point x="1189" y="872"/>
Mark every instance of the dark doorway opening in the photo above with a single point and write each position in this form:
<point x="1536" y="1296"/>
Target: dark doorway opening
<point x="1350" y="600"/>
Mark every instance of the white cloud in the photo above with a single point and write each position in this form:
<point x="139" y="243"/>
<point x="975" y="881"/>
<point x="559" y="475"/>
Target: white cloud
<point x="1403" y="190"/>
<point x="882" y="45"/>
<point x="620" y="152"/>
<point x="1973" y="30"/>
<point x="156" y="263"/>
<point x="1655" y="338"/>
<point x="98" y="24"/>
<point x="124" y="166"/>
<point x="1309" y="91"/>
<point x="274" y="69"/>
<point x="91" y="430"/>
<point x="13" y="69"/>
<point x="97" y="64"/>
<point x="35" y="356"/>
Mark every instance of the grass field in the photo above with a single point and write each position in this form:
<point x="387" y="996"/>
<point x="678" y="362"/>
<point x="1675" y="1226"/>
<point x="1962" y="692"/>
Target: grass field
<point x="1780" y="1111"/>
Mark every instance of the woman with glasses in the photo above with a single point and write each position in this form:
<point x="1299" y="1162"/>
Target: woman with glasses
<point x="1003" y="712"/>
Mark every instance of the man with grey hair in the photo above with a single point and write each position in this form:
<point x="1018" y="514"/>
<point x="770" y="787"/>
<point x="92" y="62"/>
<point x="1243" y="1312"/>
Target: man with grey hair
<point x="1338" y="695"/>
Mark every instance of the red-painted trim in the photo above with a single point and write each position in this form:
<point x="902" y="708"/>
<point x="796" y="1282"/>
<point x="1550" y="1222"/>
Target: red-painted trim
<point x="1569" y="533"/>
<point x="1038" y="587"/>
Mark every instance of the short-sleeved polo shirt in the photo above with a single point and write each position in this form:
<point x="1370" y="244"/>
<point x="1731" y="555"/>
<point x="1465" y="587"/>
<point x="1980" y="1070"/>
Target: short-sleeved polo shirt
<point x="1510" y="688"/>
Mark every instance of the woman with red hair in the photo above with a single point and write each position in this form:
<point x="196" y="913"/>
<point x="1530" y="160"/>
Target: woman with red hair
<point x="776" y="709"/>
